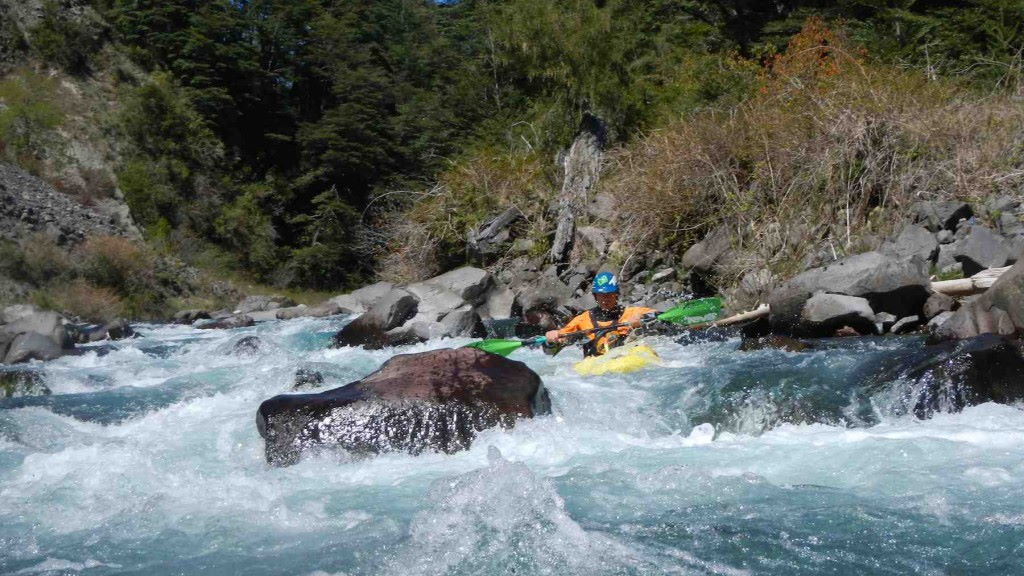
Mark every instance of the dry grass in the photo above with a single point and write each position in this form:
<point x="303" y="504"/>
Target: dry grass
<point x="429" y="235"/>
<point x="823" y="160"/>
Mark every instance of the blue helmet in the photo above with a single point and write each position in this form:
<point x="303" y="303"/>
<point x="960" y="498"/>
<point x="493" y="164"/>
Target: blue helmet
<point x="605" y="283"/>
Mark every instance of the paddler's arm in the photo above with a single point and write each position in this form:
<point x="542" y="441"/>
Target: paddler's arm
<point x="574" y="325"/>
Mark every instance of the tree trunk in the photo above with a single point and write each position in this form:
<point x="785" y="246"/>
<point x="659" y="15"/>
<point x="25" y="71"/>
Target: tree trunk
<point x="582" y="166"/>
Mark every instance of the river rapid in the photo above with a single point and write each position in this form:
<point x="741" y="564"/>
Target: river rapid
<point x="146" y="460"/>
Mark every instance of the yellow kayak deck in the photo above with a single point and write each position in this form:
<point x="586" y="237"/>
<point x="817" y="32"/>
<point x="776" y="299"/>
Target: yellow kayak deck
<point x="628" y="358"/>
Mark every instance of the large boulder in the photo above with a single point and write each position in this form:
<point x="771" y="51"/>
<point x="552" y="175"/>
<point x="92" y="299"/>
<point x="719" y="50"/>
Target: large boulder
<point x="113" y="330"/>
<point x="437" y="400"/>
<point x="899" y="287"/>
<point x="913" y="241"/>
<point x="939" y="215"/>
<point x="371" y="329"/>
<point x="977" y="248"/>
<point x="41" y="335"/>
<point x="327" y="308"/>
<point x="361" y="300"/>
<point x="1000" y="310"/>
<point x="823" y="314"/>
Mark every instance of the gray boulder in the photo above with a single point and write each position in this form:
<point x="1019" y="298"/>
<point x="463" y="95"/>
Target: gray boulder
<point x="260" y="303"/>
<point x="470" y="284"/>
<point x="460" y="322"/>
<point x="940" y="214"/>
<point x="704" y="256"/>
<point x="978" y="248"/>
<point x="899" y="287"/>
<point x="823" y="314"/>
<point x="17" y="312"/>
<point x="229" y="323"/>
<point x="498" y="304"/>
<point x="28" y="346"/>
<point x="190" y="316"/>
<point x="321" y="310"/>
<point x="938" y="303"/>
<point x="1000" y="310"/>
<point x="359" y="301"/>
<point x="42" y="335"/>
<point x="377" y="327"/>
<point x="913" y="241"/>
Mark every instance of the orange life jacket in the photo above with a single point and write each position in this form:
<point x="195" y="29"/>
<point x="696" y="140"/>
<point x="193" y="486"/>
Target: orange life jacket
<point x="600" y="344"/>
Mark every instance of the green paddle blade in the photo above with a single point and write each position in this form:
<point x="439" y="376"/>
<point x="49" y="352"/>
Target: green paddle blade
<point x="693" y="312"/>
<point x="497" y="346"/>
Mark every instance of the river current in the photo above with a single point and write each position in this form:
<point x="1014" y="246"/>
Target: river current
<point x="146" y="460"/>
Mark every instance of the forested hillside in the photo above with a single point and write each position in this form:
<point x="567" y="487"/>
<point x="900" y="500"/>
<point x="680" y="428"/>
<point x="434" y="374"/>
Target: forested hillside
<point x="318" y="143"/>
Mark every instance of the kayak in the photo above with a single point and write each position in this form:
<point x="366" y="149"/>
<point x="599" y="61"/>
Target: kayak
<point x="621" y="360"/>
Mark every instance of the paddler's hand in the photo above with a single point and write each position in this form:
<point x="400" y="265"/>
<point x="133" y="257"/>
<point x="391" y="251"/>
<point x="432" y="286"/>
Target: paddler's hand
<point x="552" y="336"/>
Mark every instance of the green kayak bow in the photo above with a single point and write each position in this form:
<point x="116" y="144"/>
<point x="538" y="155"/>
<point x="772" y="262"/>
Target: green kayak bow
<point x="687" y="314"/>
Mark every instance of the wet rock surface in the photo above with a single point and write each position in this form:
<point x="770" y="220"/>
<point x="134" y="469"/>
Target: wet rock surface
<point x="437" y="400"/>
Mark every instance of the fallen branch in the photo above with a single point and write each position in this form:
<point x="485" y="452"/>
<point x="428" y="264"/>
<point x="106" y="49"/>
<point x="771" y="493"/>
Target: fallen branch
<point x="968" y="286"/>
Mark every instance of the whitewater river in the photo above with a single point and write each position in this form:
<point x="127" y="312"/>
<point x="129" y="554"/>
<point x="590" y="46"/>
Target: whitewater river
<point x="146" y="460"/>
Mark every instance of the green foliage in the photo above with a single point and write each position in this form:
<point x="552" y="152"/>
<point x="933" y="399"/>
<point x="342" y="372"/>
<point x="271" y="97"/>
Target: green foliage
<point x="65" y="39"/>
<point x="329" y="256"/>
<point x="244" y="226"/>
<point x="29" y="114"/>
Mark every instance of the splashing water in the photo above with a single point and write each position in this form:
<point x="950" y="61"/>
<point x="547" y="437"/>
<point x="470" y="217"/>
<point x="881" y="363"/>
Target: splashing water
<point x="146" y="460"/>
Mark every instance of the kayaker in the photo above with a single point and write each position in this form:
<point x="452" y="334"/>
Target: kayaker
<point x="607" y="312"/>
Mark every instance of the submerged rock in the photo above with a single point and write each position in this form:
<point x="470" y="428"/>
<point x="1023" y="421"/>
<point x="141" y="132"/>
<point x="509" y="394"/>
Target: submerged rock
<point x="437" y="400"/>
<point x="773" y="341"/>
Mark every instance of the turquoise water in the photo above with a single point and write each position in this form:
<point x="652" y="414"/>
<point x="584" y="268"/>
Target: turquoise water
<point x="146" y="460"/>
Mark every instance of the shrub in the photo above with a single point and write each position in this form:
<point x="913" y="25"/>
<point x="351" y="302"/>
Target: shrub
<point x="65" y="38"/>
<point x="116" y="263"/>
<point x="86" y="301"/>
<point x="29" y="114"/>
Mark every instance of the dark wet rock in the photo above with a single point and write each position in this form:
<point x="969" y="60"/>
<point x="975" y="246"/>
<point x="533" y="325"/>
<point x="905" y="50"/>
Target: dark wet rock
<point x="899" y="287"/>
<point x="229" y="323"/>
<point x="190" y="316"/>
<point x="371" y="329"/>
<point x="847" y="332"/>
<point x="978" y="248"/>
<point x="114" y="330"/>
<point x="774" y="342"/>
<point x="437" y="400"/>
<point x="986" y="368"/>
<point x="824" y="313"/>
<point x="306" y="378"/>
<point x="247" y="346"/>
<point x="17" y="383"/>
<point x="906" y="325"/>
<point x="940" y="214"/>
<point x="938" y="303"/>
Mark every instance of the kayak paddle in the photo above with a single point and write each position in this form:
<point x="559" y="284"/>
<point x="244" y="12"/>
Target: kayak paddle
<point x="504" y="347"/>
<point x="693" y="312"/>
